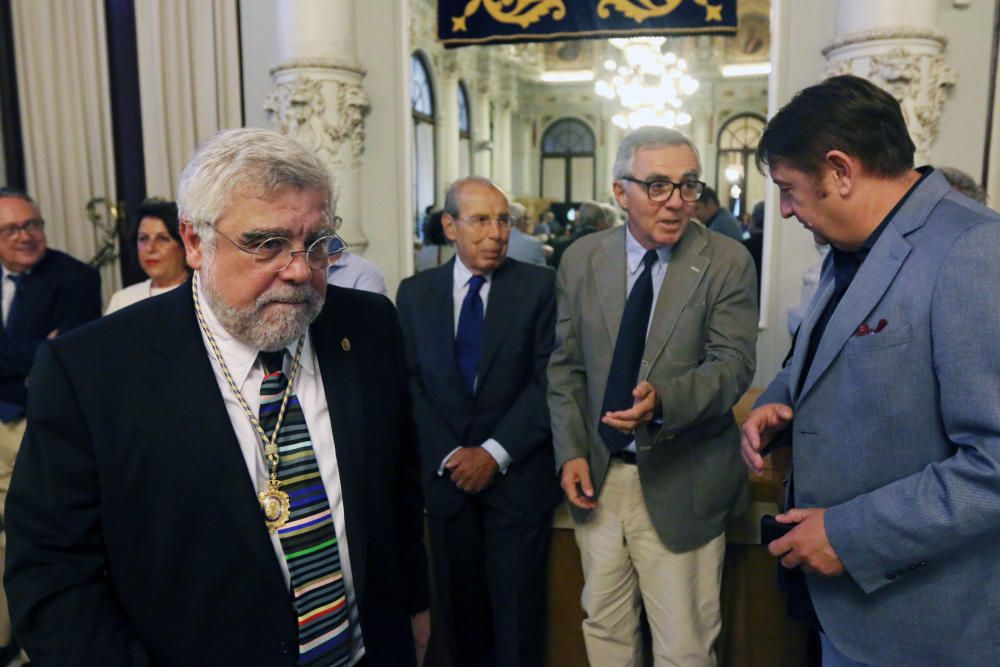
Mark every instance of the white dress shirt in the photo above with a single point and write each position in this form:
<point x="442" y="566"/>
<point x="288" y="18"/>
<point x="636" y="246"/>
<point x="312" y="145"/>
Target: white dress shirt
<point x="460" y="287"/>
<point x="248" y="373"/>
<point x="634" y="252"/>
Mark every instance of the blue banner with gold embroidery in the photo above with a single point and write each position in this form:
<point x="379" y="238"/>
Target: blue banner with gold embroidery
<point x="467" y="22"/>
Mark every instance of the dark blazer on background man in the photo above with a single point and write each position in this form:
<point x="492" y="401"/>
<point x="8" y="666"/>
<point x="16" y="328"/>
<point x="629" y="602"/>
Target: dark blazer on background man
<point x="60" y="293"/>
<point x="510" y="401"/>
<point x="134" y="532"/>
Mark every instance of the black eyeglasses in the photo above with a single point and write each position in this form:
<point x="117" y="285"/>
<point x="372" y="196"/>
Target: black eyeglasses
<point x="33" y="226"/>
<point x="482" y="221"/>
<point x="662" y="189"/>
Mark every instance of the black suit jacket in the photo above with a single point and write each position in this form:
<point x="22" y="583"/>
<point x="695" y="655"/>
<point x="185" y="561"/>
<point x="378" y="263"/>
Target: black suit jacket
<point x="509" y="404"/>
<point x="60" y="293"/>
<point x="134" y="532"/>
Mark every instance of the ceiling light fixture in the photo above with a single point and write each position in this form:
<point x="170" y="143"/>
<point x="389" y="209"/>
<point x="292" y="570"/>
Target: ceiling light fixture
<point x="649" y="84"/>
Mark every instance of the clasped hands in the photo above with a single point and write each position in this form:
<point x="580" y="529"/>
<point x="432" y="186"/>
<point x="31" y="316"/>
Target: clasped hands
<point x="472" y="469"/>
<point x="806" y="545"/>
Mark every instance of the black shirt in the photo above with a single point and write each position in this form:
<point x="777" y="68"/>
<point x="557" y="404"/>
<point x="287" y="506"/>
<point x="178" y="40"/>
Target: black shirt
<point x="845" y="266"/>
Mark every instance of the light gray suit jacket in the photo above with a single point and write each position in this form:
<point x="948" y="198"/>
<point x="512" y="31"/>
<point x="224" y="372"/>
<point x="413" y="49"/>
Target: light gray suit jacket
<point x="699" y="355"/>
<point x="897" y="433"/>
<point x="525" y="248"/>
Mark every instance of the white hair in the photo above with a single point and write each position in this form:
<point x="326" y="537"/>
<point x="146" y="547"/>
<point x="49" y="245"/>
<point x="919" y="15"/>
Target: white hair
<point x="241" y="162"/>
<point x="648" y="136"/>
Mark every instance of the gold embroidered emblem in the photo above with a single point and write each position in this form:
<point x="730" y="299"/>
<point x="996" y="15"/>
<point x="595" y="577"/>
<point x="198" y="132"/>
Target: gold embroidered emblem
<point x="346" y="344"/>
<point x="523" y="13"/>
<point x="712" y="12"/>
<point x="638" y="10"/>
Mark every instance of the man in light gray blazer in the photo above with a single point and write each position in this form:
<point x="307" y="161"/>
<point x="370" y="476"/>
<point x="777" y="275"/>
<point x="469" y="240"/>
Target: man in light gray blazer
<point x="655" y="335"/>
<point x="894" y="385"/>
<point x="520" y="246"/>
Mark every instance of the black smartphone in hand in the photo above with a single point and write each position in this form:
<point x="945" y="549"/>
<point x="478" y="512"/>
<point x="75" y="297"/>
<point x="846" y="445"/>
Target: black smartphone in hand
<point x="771" y="529"/>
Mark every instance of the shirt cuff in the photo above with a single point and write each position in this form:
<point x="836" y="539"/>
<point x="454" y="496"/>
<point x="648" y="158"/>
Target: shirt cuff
<point x="444" y="462"/>
<point x="498" y="453"/>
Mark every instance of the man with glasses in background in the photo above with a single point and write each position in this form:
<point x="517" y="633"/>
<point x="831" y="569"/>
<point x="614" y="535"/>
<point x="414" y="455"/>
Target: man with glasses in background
<point x="44" y="293"/>
<point x="655" y="340"/>
<point x="478" y="333"/>
<point x="225" y="474"/>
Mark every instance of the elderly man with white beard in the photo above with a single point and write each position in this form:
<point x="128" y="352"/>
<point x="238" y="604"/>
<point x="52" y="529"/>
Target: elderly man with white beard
<point x="226" y="474"/>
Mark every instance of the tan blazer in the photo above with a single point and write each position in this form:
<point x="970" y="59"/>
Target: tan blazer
<point x="700" y="357"/>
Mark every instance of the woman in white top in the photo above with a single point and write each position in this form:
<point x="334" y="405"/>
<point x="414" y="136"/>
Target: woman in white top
<point x="161" y="254"/>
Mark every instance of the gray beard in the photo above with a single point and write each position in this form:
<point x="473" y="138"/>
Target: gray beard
<point x="258" y="329"/>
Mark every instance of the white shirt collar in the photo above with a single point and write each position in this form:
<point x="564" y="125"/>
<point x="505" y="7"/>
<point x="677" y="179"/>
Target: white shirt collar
<point x="634" y="252"/>
<point x="240" y="357"/>
<point x="461" y="274"/>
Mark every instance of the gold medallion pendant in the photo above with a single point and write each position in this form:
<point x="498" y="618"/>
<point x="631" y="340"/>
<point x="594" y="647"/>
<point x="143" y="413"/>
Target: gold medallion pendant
<point x="275" y="504"/>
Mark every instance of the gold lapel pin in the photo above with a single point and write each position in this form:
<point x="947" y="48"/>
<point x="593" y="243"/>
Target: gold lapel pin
<point x="346" y="344"/>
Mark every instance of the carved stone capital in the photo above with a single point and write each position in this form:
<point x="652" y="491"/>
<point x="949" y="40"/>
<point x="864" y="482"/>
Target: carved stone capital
<point x="918" y="80"/>
<point x="324" y="115"/>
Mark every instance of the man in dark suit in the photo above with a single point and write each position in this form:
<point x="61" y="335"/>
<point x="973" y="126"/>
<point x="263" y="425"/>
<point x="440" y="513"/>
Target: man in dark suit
<point x="478" y="334"/>
<point x="590" y="217"/>
<point x="715" y="217"/>
<point x="45" y="293"/>
<point x="224" y="475"/>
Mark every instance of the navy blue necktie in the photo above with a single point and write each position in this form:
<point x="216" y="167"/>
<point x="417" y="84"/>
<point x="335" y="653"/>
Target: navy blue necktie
<point x="629" y="347"/>
<point x="18" y="280"/>
<point x="469" y="338"/>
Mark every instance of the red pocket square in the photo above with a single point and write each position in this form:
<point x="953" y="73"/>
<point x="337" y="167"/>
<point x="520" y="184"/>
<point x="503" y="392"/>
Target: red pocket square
<point x="865" y="330"/>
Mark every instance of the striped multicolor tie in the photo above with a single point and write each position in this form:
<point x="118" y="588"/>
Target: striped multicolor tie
<point x="309" y="538"/>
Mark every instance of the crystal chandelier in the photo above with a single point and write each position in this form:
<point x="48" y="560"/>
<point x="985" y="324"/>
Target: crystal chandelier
<point x="648" y="84"/>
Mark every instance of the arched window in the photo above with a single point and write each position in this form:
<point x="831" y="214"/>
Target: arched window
<point x="464" y="132"/>
<point x="738" y="182"/>
<point x="568" y="173"/>
<point x="422" y="103"/>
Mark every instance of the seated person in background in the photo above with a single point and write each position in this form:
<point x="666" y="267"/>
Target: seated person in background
<point x="161" y="254"/>
<point x="546" y="227"/>
<point x="437" y="249"/>
<point x="591" y="217"/>
<point x="962" y="182"/>
<point x="355" y="272"/>
<point x="45" y="293"/>
<point x="520" y="246"/>
<point x="716" y="218"/>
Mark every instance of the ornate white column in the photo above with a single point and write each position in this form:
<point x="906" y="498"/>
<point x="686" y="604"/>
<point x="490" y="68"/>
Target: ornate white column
<point x="482" y="146"/>
<point x="503" y="151"/>
<point x="700" y="132"/>
<point x="447" y="123"/>
<point x="895" y="44"/>
<point x="318" y="99"/>
<point x="503" y="145"/>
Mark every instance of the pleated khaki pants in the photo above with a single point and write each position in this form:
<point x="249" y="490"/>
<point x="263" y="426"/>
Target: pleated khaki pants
<point x="626" y="567"/>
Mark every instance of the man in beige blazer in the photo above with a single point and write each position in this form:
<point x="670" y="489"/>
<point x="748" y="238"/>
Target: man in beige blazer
<point x="655" y="337"/>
